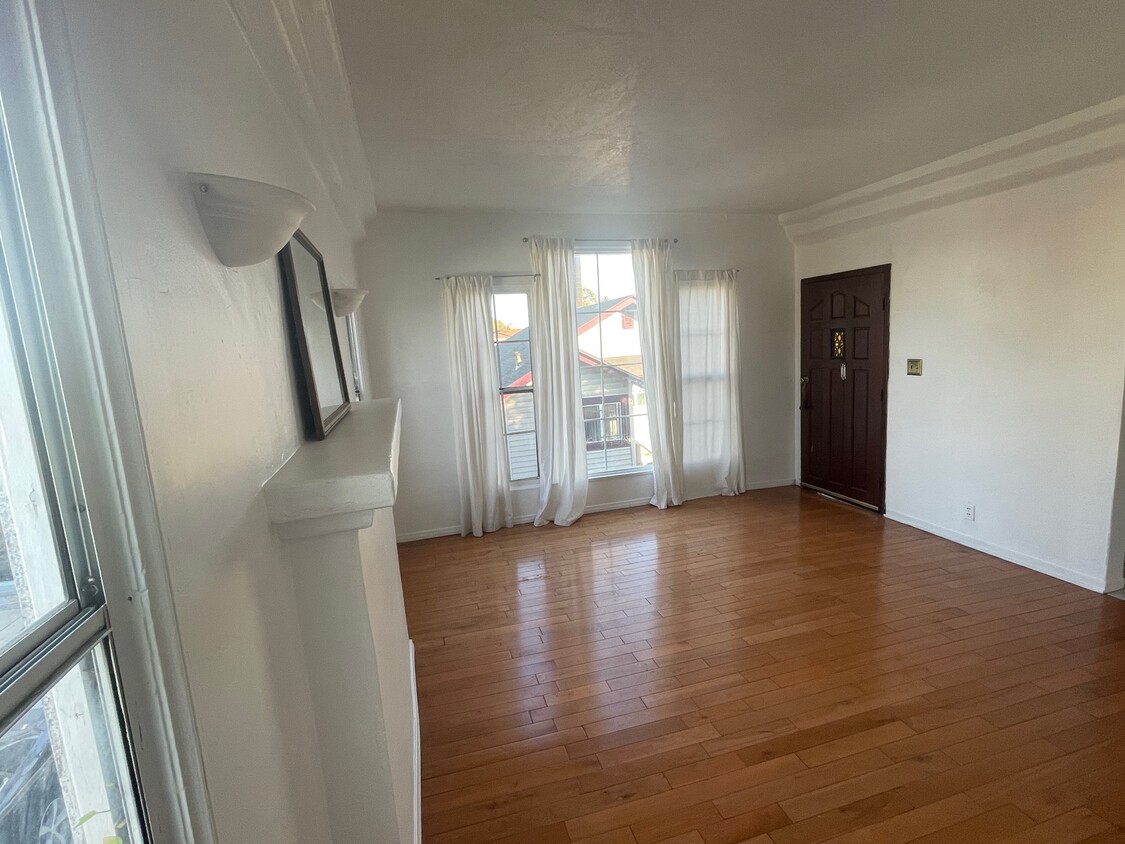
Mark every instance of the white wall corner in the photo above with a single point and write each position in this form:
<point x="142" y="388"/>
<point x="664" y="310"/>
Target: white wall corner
<point x="1082" y="139"/>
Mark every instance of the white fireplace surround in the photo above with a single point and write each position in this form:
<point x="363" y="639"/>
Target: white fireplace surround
<point x="332" y="503"/>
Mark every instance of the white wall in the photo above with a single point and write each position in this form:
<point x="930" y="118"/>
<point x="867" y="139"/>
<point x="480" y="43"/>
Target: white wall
<point x="167" y="88"/>
<point x="1016" y="303"/>
<point x="405" y="250"/>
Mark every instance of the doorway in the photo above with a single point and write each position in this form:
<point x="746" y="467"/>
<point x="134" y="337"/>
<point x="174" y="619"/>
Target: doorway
<point x="844" y="364"/>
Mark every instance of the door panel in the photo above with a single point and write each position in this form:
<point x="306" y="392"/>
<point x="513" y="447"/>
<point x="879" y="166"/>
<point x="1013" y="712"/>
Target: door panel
<point x="844" y="321"/>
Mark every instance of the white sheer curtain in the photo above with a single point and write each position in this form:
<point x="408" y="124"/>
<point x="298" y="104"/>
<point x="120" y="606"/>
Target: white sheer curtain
<point x="558" y="389"/>
<point x="658" y="309"/>
<point x="709" y="353"/>
<point x="482" y="460"/>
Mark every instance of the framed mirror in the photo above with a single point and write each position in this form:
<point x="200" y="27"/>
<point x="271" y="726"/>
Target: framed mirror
<point x="312" y="326"/>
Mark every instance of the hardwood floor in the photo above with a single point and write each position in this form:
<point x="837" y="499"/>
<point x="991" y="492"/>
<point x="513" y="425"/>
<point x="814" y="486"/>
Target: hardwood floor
<point x="773" y="668"/>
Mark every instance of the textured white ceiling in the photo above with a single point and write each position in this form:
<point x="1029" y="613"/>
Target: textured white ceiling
<point x="671" y="105"/>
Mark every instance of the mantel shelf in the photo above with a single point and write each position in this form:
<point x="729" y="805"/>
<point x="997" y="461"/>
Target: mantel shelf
<point x="336" y="484"/>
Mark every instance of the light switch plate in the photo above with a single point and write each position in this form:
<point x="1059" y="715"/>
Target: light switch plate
<point x="913" y="366"/>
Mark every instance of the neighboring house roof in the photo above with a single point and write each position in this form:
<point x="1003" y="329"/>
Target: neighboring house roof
<point x="515" y="350"/>
<point x="591" y="315"/>
<point x="515" y="360"/>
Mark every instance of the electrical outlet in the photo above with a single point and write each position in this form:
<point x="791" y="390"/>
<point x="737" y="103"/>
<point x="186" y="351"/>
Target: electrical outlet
<point x="913" y="366"/>
<point x="970" y="512"/>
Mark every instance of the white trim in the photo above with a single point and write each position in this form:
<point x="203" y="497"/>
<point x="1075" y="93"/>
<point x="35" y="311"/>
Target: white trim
<point x="620" y="473"/>
<point x="507" y="284"/>
<point x="417" y="740"/>
<point x="455" y="530"/>
<point x="526" y="519"/>
<point x="332" y="150"/>
<point x="71" y="249"/>
<point x="602" y="247"/>
<point x="770" y="484"/>
<point x="618" y="505"/>
<point x="428" y="533"/>
<point x="1097" y="584"/>
<point x="1084" y="138"/>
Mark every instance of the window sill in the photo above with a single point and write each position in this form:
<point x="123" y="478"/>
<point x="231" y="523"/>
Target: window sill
<point x="637" y="470"/>
<point x="533" y="483"/>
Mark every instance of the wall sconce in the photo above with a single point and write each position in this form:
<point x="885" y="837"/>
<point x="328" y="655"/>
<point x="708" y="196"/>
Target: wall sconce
<point x="346" y="300"/>
<point x="345" y="303"/>
<point x="246" y="222"/>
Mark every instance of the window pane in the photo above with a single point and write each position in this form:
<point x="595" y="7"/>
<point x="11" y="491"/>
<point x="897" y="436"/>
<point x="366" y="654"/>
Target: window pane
<point x="591" y="414"/>
<point x="511" y="314"/>
<point x="514" y="359"/>
<point x="519" y="413"/>
<point x="523" y="460"/>
<point x="512" y="334"/>
<point x="610" y="366"/>
<point x="587" y="281"/>
<point x="62" y="779"/>
<point x="615" y="275"/>
<point x="513" y="339"/>
<point x="31" y="578"/>
<point x="595" y="462"/>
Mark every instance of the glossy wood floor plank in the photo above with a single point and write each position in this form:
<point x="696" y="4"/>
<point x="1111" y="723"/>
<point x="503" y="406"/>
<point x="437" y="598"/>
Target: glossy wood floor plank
<point x="773" y="668"/>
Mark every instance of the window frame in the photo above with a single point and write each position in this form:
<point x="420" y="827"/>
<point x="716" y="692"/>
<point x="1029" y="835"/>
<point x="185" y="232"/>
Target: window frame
<point x="517" y="285"/>
<point x="65" y="240"/>
<point x="627" y="415"/>
<point x="41" y="655"/>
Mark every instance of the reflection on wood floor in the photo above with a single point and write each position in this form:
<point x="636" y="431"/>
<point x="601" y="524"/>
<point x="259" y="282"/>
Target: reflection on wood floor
<point x="774" y="668"/>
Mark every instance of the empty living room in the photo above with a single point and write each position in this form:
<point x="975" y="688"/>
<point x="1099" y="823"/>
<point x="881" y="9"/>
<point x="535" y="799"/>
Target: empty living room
<point x="562" y="421"/>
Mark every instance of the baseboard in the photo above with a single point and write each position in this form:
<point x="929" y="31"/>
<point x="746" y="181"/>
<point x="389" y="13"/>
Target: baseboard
<point x="455" y="530"/>
<point x="429" y="533"/>
<point x="618" y="505"/>
<point x="769" y="484"/>
<point x="1078" y="578"/>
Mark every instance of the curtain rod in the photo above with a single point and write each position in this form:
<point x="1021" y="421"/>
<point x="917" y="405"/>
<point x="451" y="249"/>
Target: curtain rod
<point x="492" y="275"/>
<point x="605" y="239"/>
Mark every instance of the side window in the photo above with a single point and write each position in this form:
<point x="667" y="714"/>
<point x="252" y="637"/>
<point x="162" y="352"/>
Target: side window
<point x="512" y="337"/>
<point x="66" y="770"/>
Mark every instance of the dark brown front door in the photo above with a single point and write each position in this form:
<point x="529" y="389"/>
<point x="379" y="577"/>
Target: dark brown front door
<point x="844" y="384"/>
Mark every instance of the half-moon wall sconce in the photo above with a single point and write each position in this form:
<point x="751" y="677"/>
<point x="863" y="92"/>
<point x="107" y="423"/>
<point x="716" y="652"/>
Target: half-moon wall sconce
<point x="246" y="222"/>
<point x="346" y="300"/>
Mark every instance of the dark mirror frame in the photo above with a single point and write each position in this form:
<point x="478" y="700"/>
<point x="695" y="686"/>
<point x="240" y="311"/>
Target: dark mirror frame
<point x="316" y="425"/>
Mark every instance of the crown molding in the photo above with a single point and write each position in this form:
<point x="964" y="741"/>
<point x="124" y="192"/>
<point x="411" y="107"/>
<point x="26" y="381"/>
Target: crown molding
<point x="1082" y="139"/>
<point x="297" y="48"/>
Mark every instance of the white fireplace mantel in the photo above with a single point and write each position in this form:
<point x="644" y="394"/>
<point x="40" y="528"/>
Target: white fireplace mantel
<point x="336" y="484"/>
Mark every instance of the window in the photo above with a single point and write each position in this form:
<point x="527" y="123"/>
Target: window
<point x="65" y="764"/>
<point x="709" y="367"/>
<point x="512" y="336"/>
<point x="614" y="408"/>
